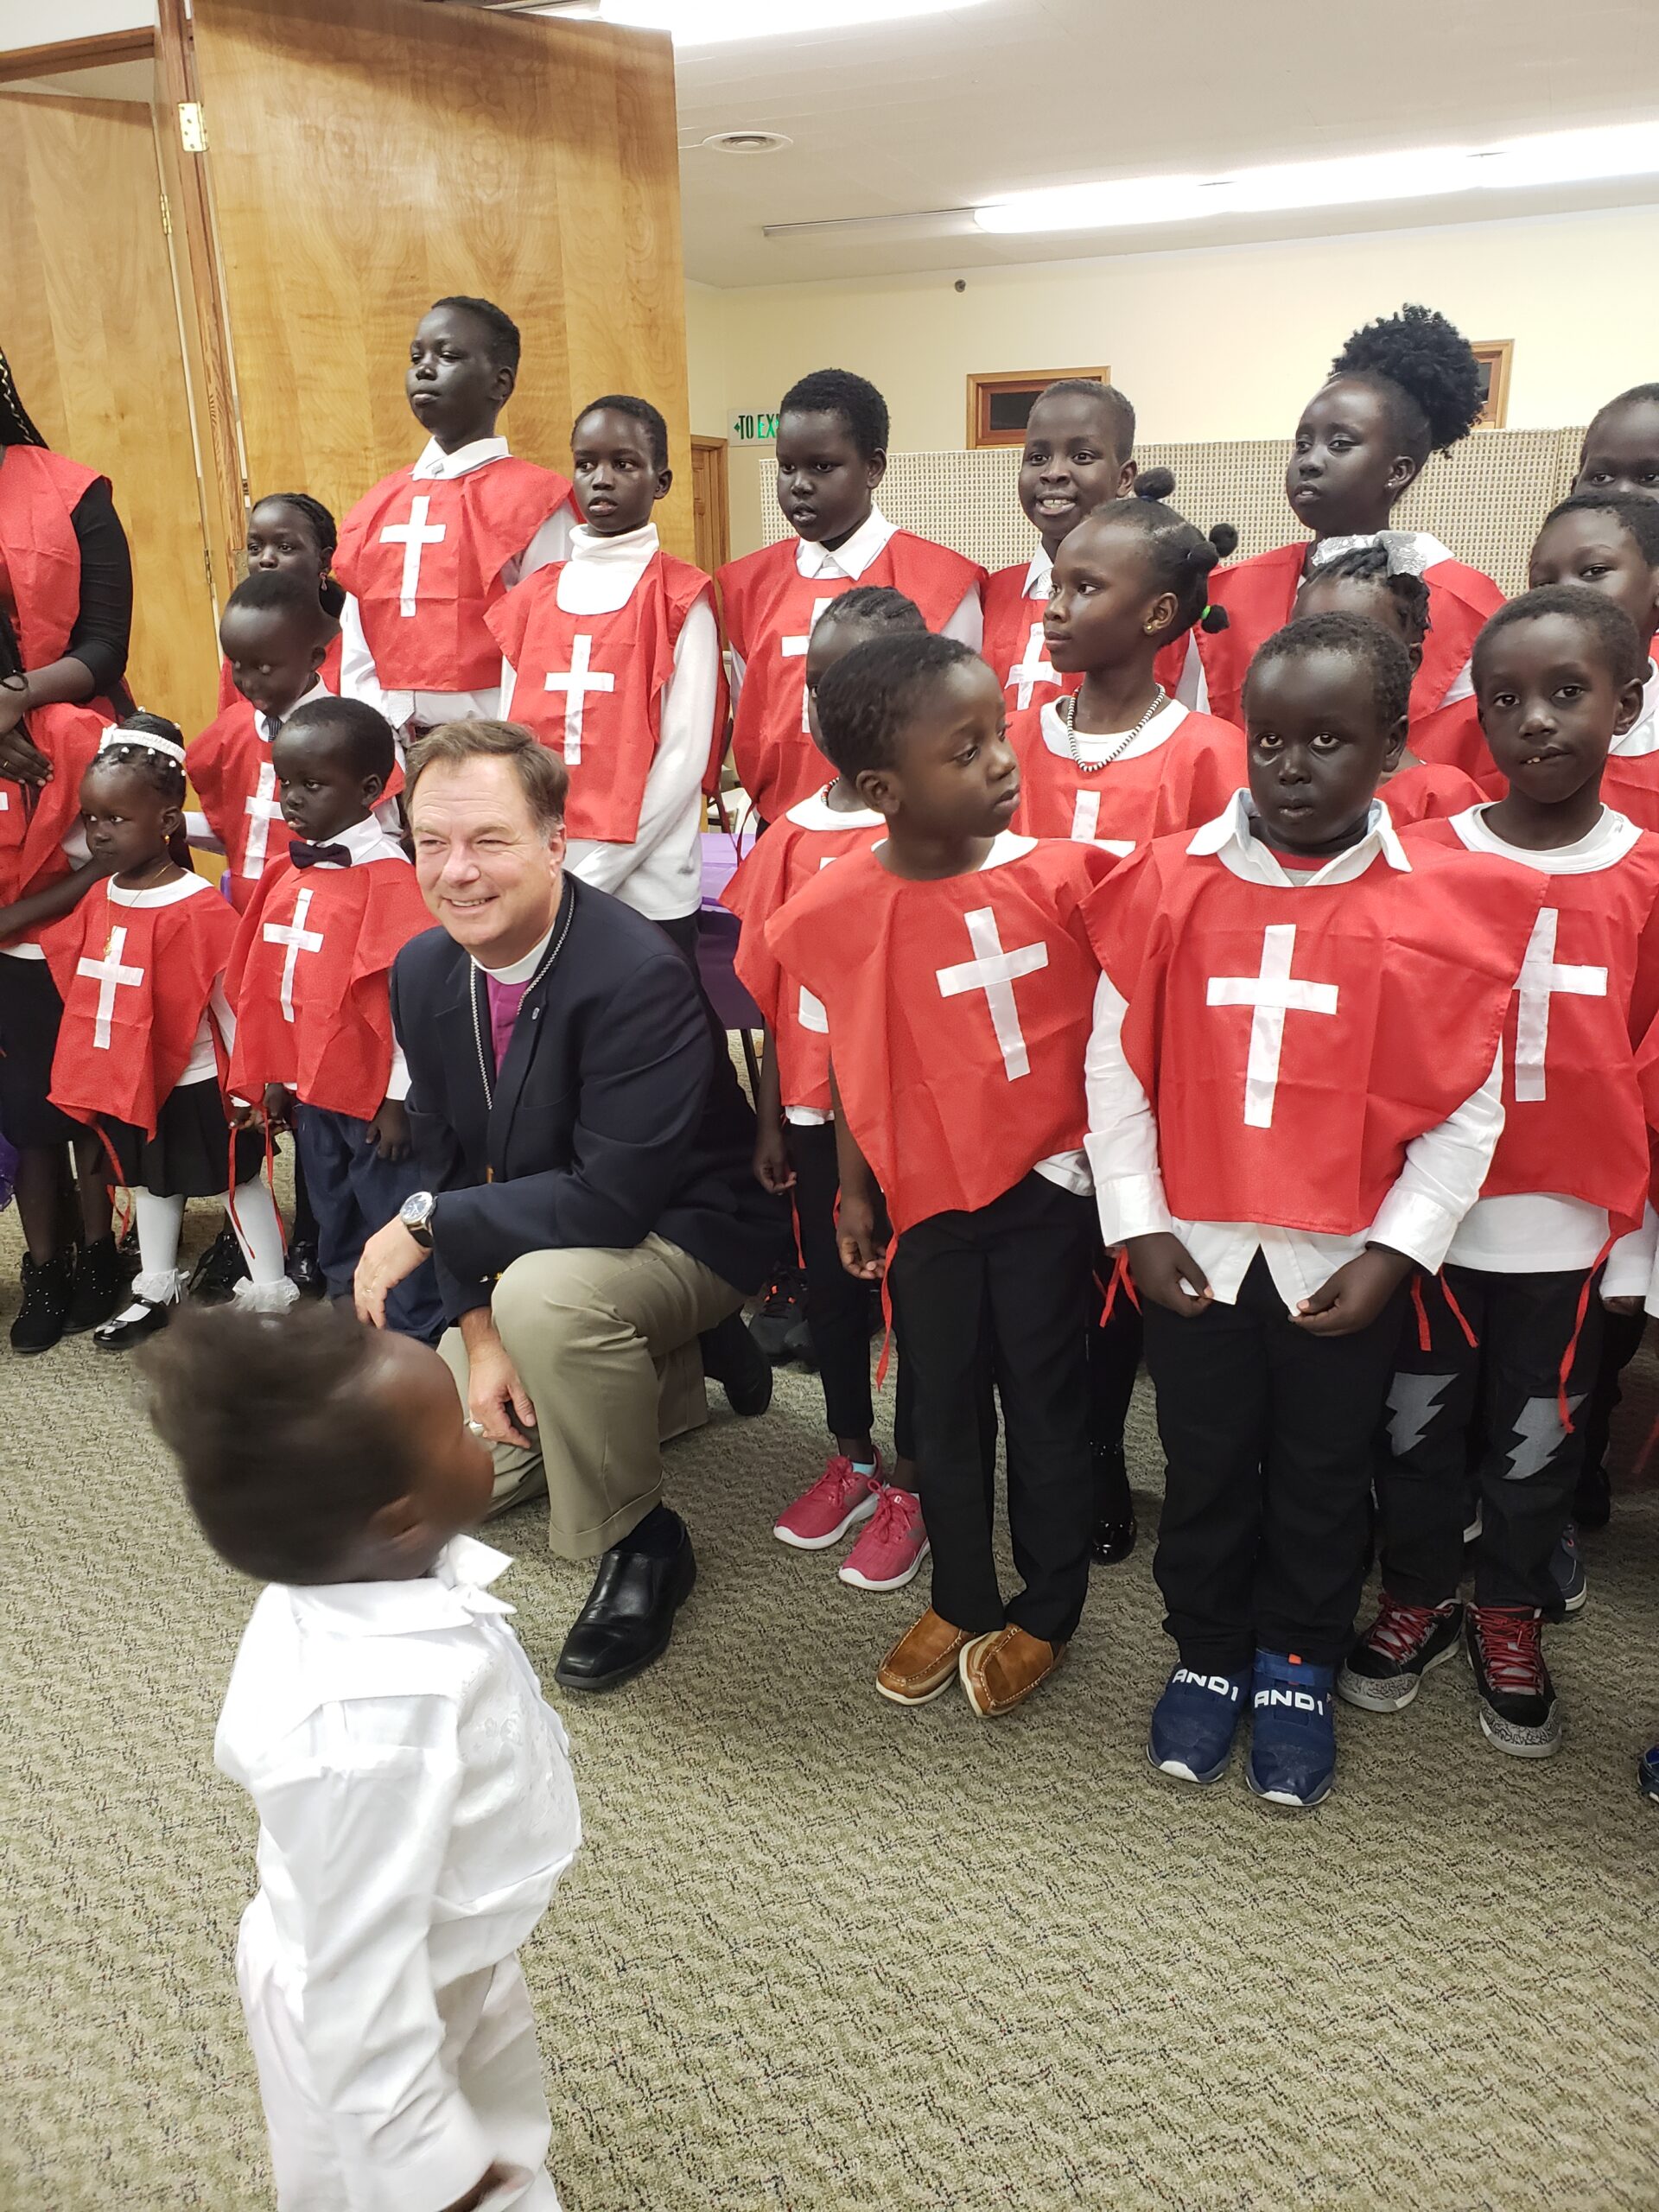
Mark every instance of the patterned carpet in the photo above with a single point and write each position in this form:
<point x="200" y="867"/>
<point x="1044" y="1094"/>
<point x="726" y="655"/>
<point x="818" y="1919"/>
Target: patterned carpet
<point x="819" y="1953"/>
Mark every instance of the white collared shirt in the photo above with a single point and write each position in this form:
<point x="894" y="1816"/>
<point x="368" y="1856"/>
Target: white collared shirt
<point x="1040" y="576"/>
<point x="1642" y="735"/>
<point x="1541" y="1232"/>
<point x="369" y="840"/>
<point x="358" y="679"/>
<point x="416" y="1812"/>
<point x="1442" y="1173"/>
<point x="204" y="1060"/>
<point x="660" y="874"/>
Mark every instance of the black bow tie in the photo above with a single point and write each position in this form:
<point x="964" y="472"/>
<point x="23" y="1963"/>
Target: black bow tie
<point x="304" y="855"/>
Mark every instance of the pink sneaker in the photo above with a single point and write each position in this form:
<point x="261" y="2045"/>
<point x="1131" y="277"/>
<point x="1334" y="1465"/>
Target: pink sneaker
<point x="893" y="1547"/>
<point x="838" y="1501"/>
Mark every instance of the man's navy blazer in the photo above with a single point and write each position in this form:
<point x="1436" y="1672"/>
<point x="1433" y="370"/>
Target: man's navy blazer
<point x="617" y="1110"/>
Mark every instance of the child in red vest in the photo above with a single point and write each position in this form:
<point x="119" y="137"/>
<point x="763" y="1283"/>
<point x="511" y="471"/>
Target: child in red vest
<point x="1292" y="1098"/>
<point x="1424" y="786"/>
<point x="1079" y="452"/>
<point x="611" y="657"/>
<point x="795" y="1147"/>
<point x="274" y="643"/>
<point x="954" y="972"/>
<point x="432" y="547"/>
<point x="146" y="1029"/>
<point x="1504" y="1350"/>
<point x="294" y="533"/>
<point x="308" y="978"/>
<point x="1401" y="389"/>
<point x="832" y="454"/>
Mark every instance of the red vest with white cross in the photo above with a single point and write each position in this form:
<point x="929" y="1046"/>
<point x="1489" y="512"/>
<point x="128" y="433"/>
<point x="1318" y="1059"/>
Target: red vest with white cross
<point x="1185" y="781"/>
<point x="1580" y="1049"/>
<point x="770" y="608"/>
<point x="135" y="983"/>
<point x="422" y="558"/>
<point x="307" y="979"/>
<point x="591" y="686"/>
<point x="959" y="1013"/>
<point x="1293" y="1039"/>
<point x="1013" y="642"/>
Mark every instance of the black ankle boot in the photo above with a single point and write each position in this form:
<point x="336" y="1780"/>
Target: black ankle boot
<point x="47" y="1285"/>
<point x="100" y="1282"/>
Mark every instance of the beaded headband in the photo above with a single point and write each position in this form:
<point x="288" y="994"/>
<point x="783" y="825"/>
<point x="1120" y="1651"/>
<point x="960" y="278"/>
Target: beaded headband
<point x="144" y="739"/>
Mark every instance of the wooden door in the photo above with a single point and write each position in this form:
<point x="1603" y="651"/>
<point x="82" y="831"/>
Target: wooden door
<point x="709" y="504"/>
<point x="368" y="156"/>
<point x="89" y="324"/>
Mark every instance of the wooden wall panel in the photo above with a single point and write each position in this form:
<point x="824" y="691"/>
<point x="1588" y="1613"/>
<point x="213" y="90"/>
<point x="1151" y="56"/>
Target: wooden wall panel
<point x="89" y="324"/>
<point x="367" y="156"/>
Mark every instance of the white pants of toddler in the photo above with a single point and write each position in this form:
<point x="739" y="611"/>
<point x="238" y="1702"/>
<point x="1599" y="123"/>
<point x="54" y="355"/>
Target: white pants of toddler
<point x="489" y="2045"/>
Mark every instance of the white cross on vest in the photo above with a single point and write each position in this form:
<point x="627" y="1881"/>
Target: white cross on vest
<point x="575" y="686"/>
<point x="1540" y="980"/>
<point x="795" y="649"/>
<point x="109" y="975"/>
<point x="1035" y="669"/>
<point x="298" y="940"/>
<point x="412" y="536"/>
<point x="1085" y="821"/>
<point x="262" y="809"/>
<point x="995" y="972"/>
<point x="1271" y="995"/>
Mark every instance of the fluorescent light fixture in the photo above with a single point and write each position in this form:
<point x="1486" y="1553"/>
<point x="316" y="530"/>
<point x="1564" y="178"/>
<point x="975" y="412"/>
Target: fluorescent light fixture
<point x="1422" y="173"/>
<point x="710" y="22"/>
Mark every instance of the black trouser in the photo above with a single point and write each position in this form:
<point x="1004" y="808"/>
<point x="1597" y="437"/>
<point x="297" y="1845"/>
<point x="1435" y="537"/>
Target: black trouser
<point x="1009" y="1282"/>
<point x="1506" y="1385"/>
<point x="1270" y="1435"/>
<point x="685" y="930"/>
<point x="837" y="1304"/>
<point x="1621" y="1340"/>
<point x="1114" y="1362"/>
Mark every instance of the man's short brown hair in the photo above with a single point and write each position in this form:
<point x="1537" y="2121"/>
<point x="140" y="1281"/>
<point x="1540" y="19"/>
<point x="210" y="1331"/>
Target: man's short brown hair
<point x="545" y="779"/>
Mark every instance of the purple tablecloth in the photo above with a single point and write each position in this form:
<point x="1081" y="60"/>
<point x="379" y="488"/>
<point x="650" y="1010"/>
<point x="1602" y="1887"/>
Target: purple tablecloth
<point x="717" y="943"/>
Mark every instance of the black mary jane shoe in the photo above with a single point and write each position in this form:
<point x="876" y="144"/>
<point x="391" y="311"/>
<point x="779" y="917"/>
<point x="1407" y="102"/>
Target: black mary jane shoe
<point x="305" y="1271"/>
<point x="732" y="1358"/>
<point x="1113" y="1540"/>
<point x="218" y="1270"/>
<point x="100" y="1285"/>
<point x="628" y="1619"/>
<point x="130" y="1327"/>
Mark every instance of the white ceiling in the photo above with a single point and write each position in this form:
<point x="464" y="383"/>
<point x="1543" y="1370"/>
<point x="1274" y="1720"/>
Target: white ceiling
<point x="965" y="106"/>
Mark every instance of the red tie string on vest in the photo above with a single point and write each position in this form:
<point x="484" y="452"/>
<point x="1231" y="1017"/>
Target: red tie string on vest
<point x="1425" y="1334"/>
<point x="1571" y="1351"/>
<point x="1120" y="1278"/>
<point x="124" y="1214"/>
<point x="886" y="1312"/>
<point x="271" y="1183"/>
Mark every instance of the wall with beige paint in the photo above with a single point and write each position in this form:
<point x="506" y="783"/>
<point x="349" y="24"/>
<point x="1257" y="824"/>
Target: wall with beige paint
<point x="1219" y="343"/>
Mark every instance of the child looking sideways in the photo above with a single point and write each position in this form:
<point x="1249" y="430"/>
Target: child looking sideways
<point x="414" y="1792"/>
<point x="795" y="1147"/>
<point x="1507" y="1353"/>
<point x="1079" y="454"/>
<point x="1292" y="1098"/>
<point x="957" y="980"/>
<point x="832" y="454"/>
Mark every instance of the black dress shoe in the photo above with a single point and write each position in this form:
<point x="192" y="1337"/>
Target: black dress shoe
<point x="144" y="1317"/>
<point x="1113" y="1540"/>
<point x="218" y="1270"/>
<point x="47" y="1287"/>
<point x="305" y="1271"/>
<point x="628" y="1619"/>
<point x="732" y="1358"/>
<point x="782" y="1308"/>
<point x="100" y="1284"/>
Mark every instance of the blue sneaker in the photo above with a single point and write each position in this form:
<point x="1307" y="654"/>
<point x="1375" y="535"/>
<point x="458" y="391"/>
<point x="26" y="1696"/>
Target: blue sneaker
<point x="1193" y="1725"/>
<point x="1567" y="1568"/>
<point x="1647" y="1775"/>
<point x="1293" y="1731"/>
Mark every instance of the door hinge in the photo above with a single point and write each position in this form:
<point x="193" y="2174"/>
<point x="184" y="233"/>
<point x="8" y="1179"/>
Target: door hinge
<point x="167" y="218"/>
<point x="193" y="127"/>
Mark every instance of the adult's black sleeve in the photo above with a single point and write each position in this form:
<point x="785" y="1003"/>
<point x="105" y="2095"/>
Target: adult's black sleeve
<point x="103" y="630"/>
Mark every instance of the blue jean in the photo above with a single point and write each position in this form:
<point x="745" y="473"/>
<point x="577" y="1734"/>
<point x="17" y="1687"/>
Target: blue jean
<point x="353" y="1193"/>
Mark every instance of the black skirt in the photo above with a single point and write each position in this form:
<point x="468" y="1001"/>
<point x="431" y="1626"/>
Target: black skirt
<point x="31" y="1011"/>
<point x="188" y="1157"/>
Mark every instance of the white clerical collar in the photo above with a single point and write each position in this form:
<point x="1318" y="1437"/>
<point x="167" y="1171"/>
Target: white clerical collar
<point x="1039" y="577"/>
<point x="520" y="971"/>
<point x="434" y="461"/>
<point x="1093" y="746"/>
<point x="1228" y="839"/>
<point x="817" y="813"/>
<point x="1642" y="735"/>
<point x="162" y="894"/>
<point x="1603" y="845"/>
<point x="632" y="549"/>
<point x="853" y="555"/>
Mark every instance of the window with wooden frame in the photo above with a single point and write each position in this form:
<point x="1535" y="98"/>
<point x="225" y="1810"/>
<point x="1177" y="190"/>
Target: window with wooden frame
<point x="1494" y="356"/>
<point x="999" y="406"/>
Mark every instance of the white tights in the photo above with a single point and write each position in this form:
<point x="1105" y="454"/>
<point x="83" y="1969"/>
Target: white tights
<point x="161" y="1221"/>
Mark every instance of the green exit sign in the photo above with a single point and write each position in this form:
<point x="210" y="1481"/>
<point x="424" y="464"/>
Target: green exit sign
<point x="752" y="429"/>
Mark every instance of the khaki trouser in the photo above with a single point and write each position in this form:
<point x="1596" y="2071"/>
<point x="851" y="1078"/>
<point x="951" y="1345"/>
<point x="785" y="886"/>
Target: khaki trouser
<point x="606" y="1343"/>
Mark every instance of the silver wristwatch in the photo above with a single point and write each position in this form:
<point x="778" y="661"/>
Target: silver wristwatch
<point x="415" y="1214"/>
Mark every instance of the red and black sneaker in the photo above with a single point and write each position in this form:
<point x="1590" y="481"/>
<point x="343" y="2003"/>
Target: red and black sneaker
<point x="1518" y="1711"/>
<point x="1385" y="1668"/>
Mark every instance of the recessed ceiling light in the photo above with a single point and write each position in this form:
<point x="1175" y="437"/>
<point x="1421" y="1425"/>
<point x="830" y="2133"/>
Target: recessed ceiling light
<point x="709" y="22"/>
<point x="746" y="141"/>
<point x="1560" y="157"/>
